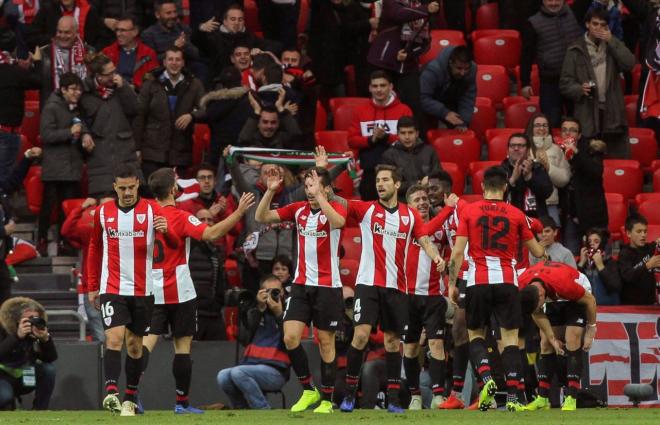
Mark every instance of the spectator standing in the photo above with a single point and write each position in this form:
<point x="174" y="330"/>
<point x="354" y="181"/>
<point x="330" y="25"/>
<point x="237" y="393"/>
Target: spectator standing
<point x="109" y="105"/>
<point x="550" y="155"/>
<point x="548" y="240"/>
<point x="590" y="78"/>
<point x="168" y="32"/>
<point x="265" y="363"/>
<point x="373" y="129"/>
<point x="65" y="141"/>
<point x="639" y="262"/>
<point x="601" y="269"/>
<point x="279" y="20"/>
<point x="529" y="184"/>
<point x="415" y="159"/>
<point x="26" y="348"/>
<point x="546" y="35"/>
<point x="448" y="87"/>
<point x="111" y="12"/>
<point x="20" y="16"/>
<point x="270" y="127"/>
<point x="167" y="106"/>
<point x="88" y="23"/>
<point x="130" y="55"/>
<point x="403" y="35"/>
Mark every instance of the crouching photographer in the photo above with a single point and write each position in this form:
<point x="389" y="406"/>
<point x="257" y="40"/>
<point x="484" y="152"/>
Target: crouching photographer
<point x="27" y="353"/>
<point x="265" y="363"/>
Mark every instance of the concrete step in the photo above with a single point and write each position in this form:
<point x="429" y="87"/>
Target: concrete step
<point x="43" y="281"/>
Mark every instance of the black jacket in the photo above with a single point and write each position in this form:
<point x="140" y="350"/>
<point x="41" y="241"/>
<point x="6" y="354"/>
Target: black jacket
<point x="44" y="27"/>
<point x="414" y="164"/>
<point x="13" y="83"/>
<point x="539" y="185"/>
<point x="638" y="281"/>
<point x="226" y="110"/>
<point x="588" y="194"/>
<point x="207" y="272"/>
<point x="13" y="182"/>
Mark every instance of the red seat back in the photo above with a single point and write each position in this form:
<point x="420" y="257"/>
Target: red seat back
<point x="488" y="16"/>
<point x="493" y="83"/>
<point x="617" y="211"/>
<point x="643" y="146"/>
<point x="457" y="176"/>
<point x="651" y="210"/>
<point x="519" y="114"/>
<point x="622" y="178"/>
<point x="458" y="149"/>
<point x="440" y="40"/>
<point x="498" y="50"/>
<point x="333" y="140"/>
<point x="348" y="272"/>
<point x="351" y="241"/>
<point x="484" y="117"/>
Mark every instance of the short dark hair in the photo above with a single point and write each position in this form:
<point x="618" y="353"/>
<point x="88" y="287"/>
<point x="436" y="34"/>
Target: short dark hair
<point x="571" y="119"/>
<point x="495" y="178"/>
<point x="261" y="61"/>
<point x="443" y="176"/>
<point x="529" y="299"/>
<point x="528" y="143"/>
<point x="291" y="49"/>
<point x="416" y="188"/>
<point x="406" y="121"/>
<point x="380" y="74"/>
<point x="635" y="219"/>
<point x="548" y="221"/>
<point x="234" y="6"/>
<point x="460" y="54"/>
<point x="69" y="79"/>
<point x="159" y="3"/>
<point x="273" y="74"/>
<point x="126" y="170"/>
<point x="129" y="18"/>
<point x="284" y="260"/>
<point x="229" y="77"/>
<point x="599" y="13"/>
<point x="205" y="166"/>
<point x="174" y="49"/>
<point x="270" y="110"/>
<point x="267" y="278"/>
<point x="324" y="175"/>
<point x="96" y="61"/>
<point x="604" y="234"/>
<point x="396" y="174"/>
<point x="161" y="182"/>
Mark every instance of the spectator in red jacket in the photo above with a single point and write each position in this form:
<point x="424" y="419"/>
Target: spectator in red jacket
<point x="130" y="55"/>
<point x="77" y="229"/>
<point x="374" y="129"/>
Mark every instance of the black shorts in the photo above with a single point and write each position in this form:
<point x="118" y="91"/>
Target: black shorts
<point x="375" y="304"/>
<point x="124" y="310"/>
<point x="565" y="313"/>
<point x="181" y="318"/>
<point x="462" y="284"/>
<point x="428" y="313"/>
<point x="323" y="306"/>
<point x="500" y="300"/>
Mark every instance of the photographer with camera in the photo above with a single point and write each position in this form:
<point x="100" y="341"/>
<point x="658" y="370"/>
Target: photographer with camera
<point x="27" y="353"/>
<point x="601" y="269"/>
<point x="265" y="363"/>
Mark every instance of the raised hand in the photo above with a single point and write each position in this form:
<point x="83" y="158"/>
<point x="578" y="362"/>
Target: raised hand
<point x="274" y="179"/>
<point x="246" y="201"/>
<point x="321" y="157"/>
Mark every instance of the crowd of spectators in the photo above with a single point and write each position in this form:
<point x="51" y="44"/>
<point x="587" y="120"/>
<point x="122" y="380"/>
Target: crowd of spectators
<point x="130" y="82"/>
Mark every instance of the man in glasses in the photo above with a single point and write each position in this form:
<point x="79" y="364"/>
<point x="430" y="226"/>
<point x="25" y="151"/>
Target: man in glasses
<point x="529" y="184"/>
<point x="130" y="55"/>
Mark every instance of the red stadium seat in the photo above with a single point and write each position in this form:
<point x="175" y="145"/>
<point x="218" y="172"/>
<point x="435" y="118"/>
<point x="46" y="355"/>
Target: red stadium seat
<point x="348" y="272"/>
<point x="343" y="185"/>
<point x="477" y="34"/>
<point x="534" y="77"/>
<point x="512" y="100"/>
<point x="32" y="95"/>
<point x="457" y="176"/>
<point x="643" y="146"/>
<point x="30" y="124"/>
<point x="336" y="102"/>
<point x="488" y="16"/>
<point x="351" y="241"/>
<point x="233" y="273"/>
<point x="251" y="16"/>
<point x="349" y="80"/>
<point x="484" y="117"/>
<point x="646" y="196"/>
<point x="622" y="176"/>
<point x="631" y="110"/>
<point x="440" y="39"/>
<point x="320" y="118"/>
<point x="434" y="133"/>
<point x="201" y="143"/>
<point x="34" y="189"/>
<point x="71" y="204"/>
<point x="636" y="78"/>
<point x="651" y="210"/>
<point x="477" y="179"/>
<point x="481" y="165"/>
<point x="498" y="142"/>
<point x="25" y="145"/>
<point x="518" y="114"/>
<point x="333" y="140"/>
<point x="458" y="149"/>
<point x="493" y="83"/>
<point x="498" y="50"/>
<point x="617" y="211"/>
<point x="476" y="171"/>
<point x="342" y="117"/>
<point x="303" y="16"/>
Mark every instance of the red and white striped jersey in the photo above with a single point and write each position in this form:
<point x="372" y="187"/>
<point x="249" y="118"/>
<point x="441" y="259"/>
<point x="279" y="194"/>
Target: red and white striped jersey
<point x="121" y="249"/>
<point x="422" y="276"/>
<point x="318" y="244"/>
<point x="494" y="230"/>
<point x="172" y="281"/>
<point x="386" y="234"/>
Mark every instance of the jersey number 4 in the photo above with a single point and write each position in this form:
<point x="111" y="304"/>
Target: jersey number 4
<point x="492" y="230"/>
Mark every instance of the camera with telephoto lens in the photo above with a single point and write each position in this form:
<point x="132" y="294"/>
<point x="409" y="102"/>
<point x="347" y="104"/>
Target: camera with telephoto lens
<point x="38" y="322"/>
<point x="275" y="293"/>
<point x="237" y="297"/>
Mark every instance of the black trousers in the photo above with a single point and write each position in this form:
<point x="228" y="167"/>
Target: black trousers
<point x="279" y="21"/>
<point x="54" y="193"/>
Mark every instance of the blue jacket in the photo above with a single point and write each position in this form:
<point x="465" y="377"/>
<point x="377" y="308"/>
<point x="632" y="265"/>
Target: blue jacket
<point x="436" y="79"/>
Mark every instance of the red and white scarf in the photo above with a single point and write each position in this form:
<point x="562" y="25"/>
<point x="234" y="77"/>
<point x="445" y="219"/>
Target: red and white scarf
<point x="76" y="62"/>
<point x="103" y="91"/>
<point x="27" y="10"/>
<point x="6" y="58"/>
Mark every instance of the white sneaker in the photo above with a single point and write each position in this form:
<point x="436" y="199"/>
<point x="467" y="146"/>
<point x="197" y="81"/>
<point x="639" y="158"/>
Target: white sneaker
<point x="437" y="401"/>
<point x="415" y="403"/>
<point x="111" y="402"/>
<point x="128" y="408"/>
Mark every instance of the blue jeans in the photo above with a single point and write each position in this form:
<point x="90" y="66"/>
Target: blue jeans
<point x="94" y="323"/>
<point x="10" y="387"/>
<point x="245" y="384"/>
<point x="9" y="145"/>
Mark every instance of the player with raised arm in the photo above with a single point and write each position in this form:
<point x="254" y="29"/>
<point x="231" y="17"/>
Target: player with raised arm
<point x="119" y="268"/>
<point x="493" y="228"/>
<point x="387" y="228"/>
<point x="316" y="294"/>
<point x="569" y="307"/>
<point x="427" y="306"/>
<point x="174" y="292"/>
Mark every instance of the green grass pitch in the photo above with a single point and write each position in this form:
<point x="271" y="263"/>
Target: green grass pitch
<point x="359" y="417"/>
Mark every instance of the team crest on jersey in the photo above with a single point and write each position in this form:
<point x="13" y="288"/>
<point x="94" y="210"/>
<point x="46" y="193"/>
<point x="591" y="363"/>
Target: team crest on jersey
<point x="303" y="217"/>
<point x="107" y="320"/>
<point x="379" y="215"/>
<point x="323" y="219"/>
<point x="141" y="218"/>
<point x="193" y="220"/>
<point x="111" y="220"/>
<point x="405" y="219"/>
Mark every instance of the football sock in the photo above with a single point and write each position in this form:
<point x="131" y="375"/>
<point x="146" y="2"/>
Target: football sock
<point x="354" y="359"/>
<point x="437" y="370"/>
<point x="133" y="369"/>
<point x="112" y="368"/>
<point x="301" y="367"/>
<point x="411" y="366"/>
<point x="393" y="367"/>
<point x="511" y="365"/>
<point x="182" y="371"/>
<point x="479" y="358"/>
<point x="328" y="376"/>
